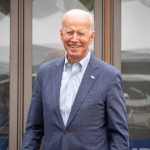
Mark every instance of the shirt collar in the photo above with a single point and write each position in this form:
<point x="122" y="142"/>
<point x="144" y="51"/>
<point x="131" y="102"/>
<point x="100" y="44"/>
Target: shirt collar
<point x="83" y="63"/>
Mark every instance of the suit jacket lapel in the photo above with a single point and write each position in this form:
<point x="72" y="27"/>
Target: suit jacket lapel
<point x="56" y="84"/>
<point x="86" y="84"/>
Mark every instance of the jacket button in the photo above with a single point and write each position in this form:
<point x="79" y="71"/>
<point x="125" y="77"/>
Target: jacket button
<point x="65" y="131"/>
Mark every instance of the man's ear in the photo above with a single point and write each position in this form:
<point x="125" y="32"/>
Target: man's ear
<point x="92" y="37"/>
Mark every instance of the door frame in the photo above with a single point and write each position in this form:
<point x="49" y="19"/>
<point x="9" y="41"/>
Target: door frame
<point x="107" y="47"/>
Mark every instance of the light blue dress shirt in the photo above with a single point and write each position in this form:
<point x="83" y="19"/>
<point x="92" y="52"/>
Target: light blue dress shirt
<point x="71" y="79"/>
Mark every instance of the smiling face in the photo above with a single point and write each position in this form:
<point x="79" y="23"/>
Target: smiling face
<point x="77" y="35"/>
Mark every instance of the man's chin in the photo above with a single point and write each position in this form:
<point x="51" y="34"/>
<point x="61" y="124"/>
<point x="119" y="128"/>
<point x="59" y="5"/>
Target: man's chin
<point x="74" y="58"/>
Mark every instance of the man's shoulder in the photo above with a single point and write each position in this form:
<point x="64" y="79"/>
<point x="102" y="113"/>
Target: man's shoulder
<point x="105" y="66"/>
<point x="51" y="63"/>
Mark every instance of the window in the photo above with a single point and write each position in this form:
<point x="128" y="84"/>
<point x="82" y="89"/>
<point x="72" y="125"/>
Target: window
<point x="4" y="72"/>
<point x="135" y="56"/>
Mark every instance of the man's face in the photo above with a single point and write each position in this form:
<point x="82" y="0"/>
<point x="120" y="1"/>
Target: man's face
<point x="76" y="36"/>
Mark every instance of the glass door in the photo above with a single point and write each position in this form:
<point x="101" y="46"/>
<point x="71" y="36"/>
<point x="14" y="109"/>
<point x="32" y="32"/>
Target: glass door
<point x="4" y="72"/>
<point x="46" y="41"/>
<point x="135" y="64"/>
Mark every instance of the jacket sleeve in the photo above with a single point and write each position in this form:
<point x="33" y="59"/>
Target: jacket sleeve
<point x="34" y="126"/>
<point x="116" y="116"/>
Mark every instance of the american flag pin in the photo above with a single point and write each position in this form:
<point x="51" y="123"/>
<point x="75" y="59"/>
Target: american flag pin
<point x="92" y="77"/>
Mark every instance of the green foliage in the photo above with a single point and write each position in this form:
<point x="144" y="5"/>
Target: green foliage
<point x="89" y="4"/>
<point x="5" y="6"/>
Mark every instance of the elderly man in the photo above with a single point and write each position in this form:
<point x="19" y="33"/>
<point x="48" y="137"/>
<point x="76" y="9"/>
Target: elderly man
<point x="78" y="101"/>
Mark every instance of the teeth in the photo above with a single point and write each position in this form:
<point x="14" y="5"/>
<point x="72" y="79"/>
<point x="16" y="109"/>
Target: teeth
<point x="74" y="46"/>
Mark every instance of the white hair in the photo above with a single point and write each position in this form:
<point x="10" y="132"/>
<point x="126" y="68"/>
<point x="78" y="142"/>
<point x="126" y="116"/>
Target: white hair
<point x="79" y="12"/>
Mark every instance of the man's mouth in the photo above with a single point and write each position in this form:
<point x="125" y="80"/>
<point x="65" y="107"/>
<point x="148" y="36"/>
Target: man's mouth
<point x="74" y="46"/>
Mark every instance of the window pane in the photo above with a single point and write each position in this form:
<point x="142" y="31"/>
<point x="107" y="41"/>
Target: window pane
<point x="47" y="16"/>
<point x="4" y="72"/>
<point x="136" y="69"/>
<point x="46" y="23"/>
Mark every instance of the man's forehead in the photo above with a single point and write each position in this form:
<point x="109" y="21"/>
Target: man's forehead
<point x="76" y="28"/>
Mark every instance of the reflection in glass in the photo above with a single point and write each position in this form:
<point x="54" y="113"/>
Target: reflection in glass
<point x="136" y="69"/>
<point x="4" y="72"/>
<point x="47" y="16"/>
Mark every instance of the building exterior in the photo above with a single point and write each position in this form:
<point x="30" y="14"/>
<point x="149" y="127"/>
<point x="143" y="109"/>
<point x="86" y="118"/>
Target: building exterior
<point x="29" y="35"/>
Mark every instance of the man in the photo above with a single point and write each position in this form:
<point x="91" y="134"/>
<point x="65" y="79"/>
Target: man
<point x="78" y="101"/>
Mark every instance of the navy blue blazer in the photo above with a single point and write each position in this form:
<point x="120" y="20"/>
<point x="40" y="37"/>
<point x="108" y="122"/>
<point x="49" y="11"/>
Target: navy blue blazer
<point x="97" y="120"/>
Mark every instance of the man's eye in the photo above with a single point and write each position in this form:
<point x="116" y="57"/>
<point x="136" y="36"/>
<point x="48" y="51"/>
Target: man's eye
<point x="69" y="32"/>
<point x="81" y="34"/>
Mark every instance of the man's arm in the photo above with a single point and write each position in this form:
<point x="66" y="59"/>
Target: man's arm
<point x="34" y="126"/>
<point x="116" y="116"/>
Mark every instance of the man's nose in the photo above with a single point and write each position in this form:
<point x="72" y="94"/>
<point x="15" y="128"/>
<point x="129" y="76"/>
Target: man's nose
<point x="75" y="36"/>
